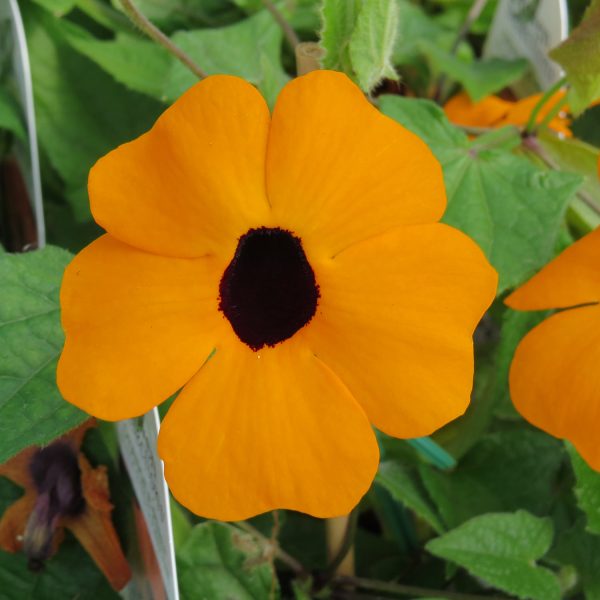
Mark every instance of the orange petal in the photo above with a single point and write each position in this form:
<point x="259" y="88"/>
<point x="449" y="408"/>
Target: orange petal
<point x="94" y="528"/>
<point x="395" y="323"/>
<point x="555" y="380"/>
<point x="338" y="171"/>
<point x="195" y="182"/>
<point x="460" y="109"/>
<point x="572" y="278"/>
<point x="17" y="468"/>
<point x="137" y="325"/>
<point x="13" y="522"/>
<point x="520" y="111"/>
<point x="255" y="431"/>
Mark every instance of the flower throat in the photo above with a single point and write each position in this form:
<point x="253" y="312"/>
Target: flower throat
<point x="268" y="291"/>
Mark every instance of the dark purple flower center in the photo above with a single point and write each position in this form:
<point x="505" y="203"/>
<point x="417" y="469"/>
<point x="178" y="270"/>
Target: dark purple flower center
<point x="268" y="291"/>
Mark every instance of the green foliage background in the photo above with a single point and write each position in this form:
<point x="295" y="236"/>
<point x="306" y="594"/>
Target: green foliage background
<point x="488" y="506"/>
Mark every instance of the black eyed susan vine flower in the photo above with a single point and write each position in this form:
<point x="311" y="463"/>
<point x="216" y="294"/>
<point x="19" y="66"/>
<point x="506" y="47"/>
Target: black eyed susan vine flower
<point x="554" y="381"/>
<point x="303" y="249"/>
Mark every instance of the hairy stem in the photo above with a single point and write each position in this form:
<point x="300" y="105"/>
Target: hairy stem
<point x="159" y="37"/>
<point x="531" y="123"/>
<point x="288" y="31"/>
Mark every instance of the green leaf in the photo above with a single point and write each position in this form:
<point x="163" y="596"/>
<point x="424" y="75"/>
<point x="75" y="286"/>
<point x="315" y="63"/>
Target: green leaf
<point x="139" y="64"/>
<point x="57" y="7"/>
<point x="512" y="209"/>
<point x="218" y="560"/>
<point x="250" y="49"/>
<point x="32" y="410"/>
<point x="372" y="42"/>
<point x="404" y="486"/>
<point x="579" y="56"/>
<point x="502" y="472"/>
<point x="502" y="549"/>
<point x="480" y="78"/>
<point x="10" y="118"/>
<point x="82" y="113"/>
<point x="338" y="22"/>
<point x="587" y="490"/>
<point x="581" y="550"/>
<point x="69" y="574"/>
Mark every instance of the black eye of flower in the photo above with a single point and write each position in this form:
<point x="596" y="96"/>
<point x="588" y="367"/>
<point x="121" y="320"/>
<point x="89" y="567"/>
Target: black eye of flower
<point x="268" y="291"/>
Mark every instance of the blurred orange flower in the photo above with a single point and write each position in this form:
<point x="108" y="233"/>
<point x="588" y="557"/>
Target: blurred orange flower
<point x="62" y="491"/>
<point x="554" y="377"/>
<point x="304" y="249"/>
<point x="496" y="112"/>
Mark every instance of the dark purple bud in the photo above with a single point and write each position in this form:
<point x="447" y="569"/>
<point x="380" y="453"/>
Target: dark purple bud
<point x="57" y="479"/>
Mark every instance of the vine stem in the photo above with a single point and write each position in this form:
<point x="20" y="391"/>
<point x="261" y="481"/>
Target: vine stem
<point x="531" y="123"/>
<point x="531" y="143"/>
<point x="294" y="564"/>
<point x="472" y="16"/>
<point x="288" y="31"/>
<point x="408" y="590"/>
<point x="154" y="33"/>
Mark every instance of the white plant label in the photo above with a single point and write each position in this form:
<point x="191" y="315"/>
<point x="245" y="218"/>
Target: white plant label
<point x="529" y="29"/>
<point x="137" y="440"/>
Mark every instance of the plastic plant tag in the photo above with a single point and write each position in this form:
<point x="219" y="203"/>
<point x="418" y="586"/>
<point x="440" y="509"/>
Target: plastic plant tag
<point x="137" y="441"/>
<point x="529" y="29"/>
<point x="21" y="171"/>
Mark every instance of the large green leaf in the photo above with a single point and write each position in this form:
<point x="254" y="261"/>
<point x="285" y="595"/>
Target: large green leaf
<point x="512" y="209"/>
<point x="479" y="77"/>
<point x="139" y="64"/>
<point x="82" y="113"/>
<point x="218" y="560"/>
<point x="579" y="56"/>
<point x="372" y="42"/>
<point x="501" y="549"/>
<point x="403" y="484"/>
<point x="503" y="471"/>
<point x="68" y="575"/>
<point x="32" y="410"/>
<point x="587" y="490"/>
<point x="250" y="49"/>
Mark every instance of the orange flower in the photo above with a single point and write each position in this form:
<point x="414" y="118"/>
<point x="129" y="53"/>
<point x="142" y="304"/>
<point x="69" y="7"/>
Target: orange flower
<point x="554" y="377"/>
<point x="62" y="491"/>
<point x="304" y="248"/>
<point x="496" y="112"/>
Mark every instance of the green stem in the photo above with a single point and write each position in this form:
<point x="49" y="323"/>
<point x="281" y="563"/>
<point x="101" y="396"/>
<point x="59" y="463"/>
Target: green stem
<point x="288" y="31"/>
<point x="154" y="33"/>
<point x="409" y="590"/>
<point x="555" y="110"/>
<point x="531" y="123"/>
<point x="294" y="564"/>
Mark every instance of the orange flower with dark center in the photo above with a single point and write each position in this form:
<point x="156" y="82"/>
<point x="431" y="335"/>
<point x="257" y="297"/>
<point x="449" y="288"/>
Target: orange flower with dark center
<point x="62" y="491"/>
<point x="496" y="112"/>
<point x="554" y="376"/>
<point x="303" y="248"/>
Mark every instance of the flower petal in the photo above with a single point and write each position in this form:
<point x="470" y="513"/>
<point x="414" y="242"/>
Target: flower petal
<point x="460" y="109"/>
<point x="14" y="521"/>
<point x="555" y="381"/>
<point x="257" y="431"/>
<point x="94" y="528"/>
<point x="195" y="182"/>
<point x="137" y="325"/>
<point x="395" y="323"/>
<point x="338" y="171"/>
<point x="572" y="278"/>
